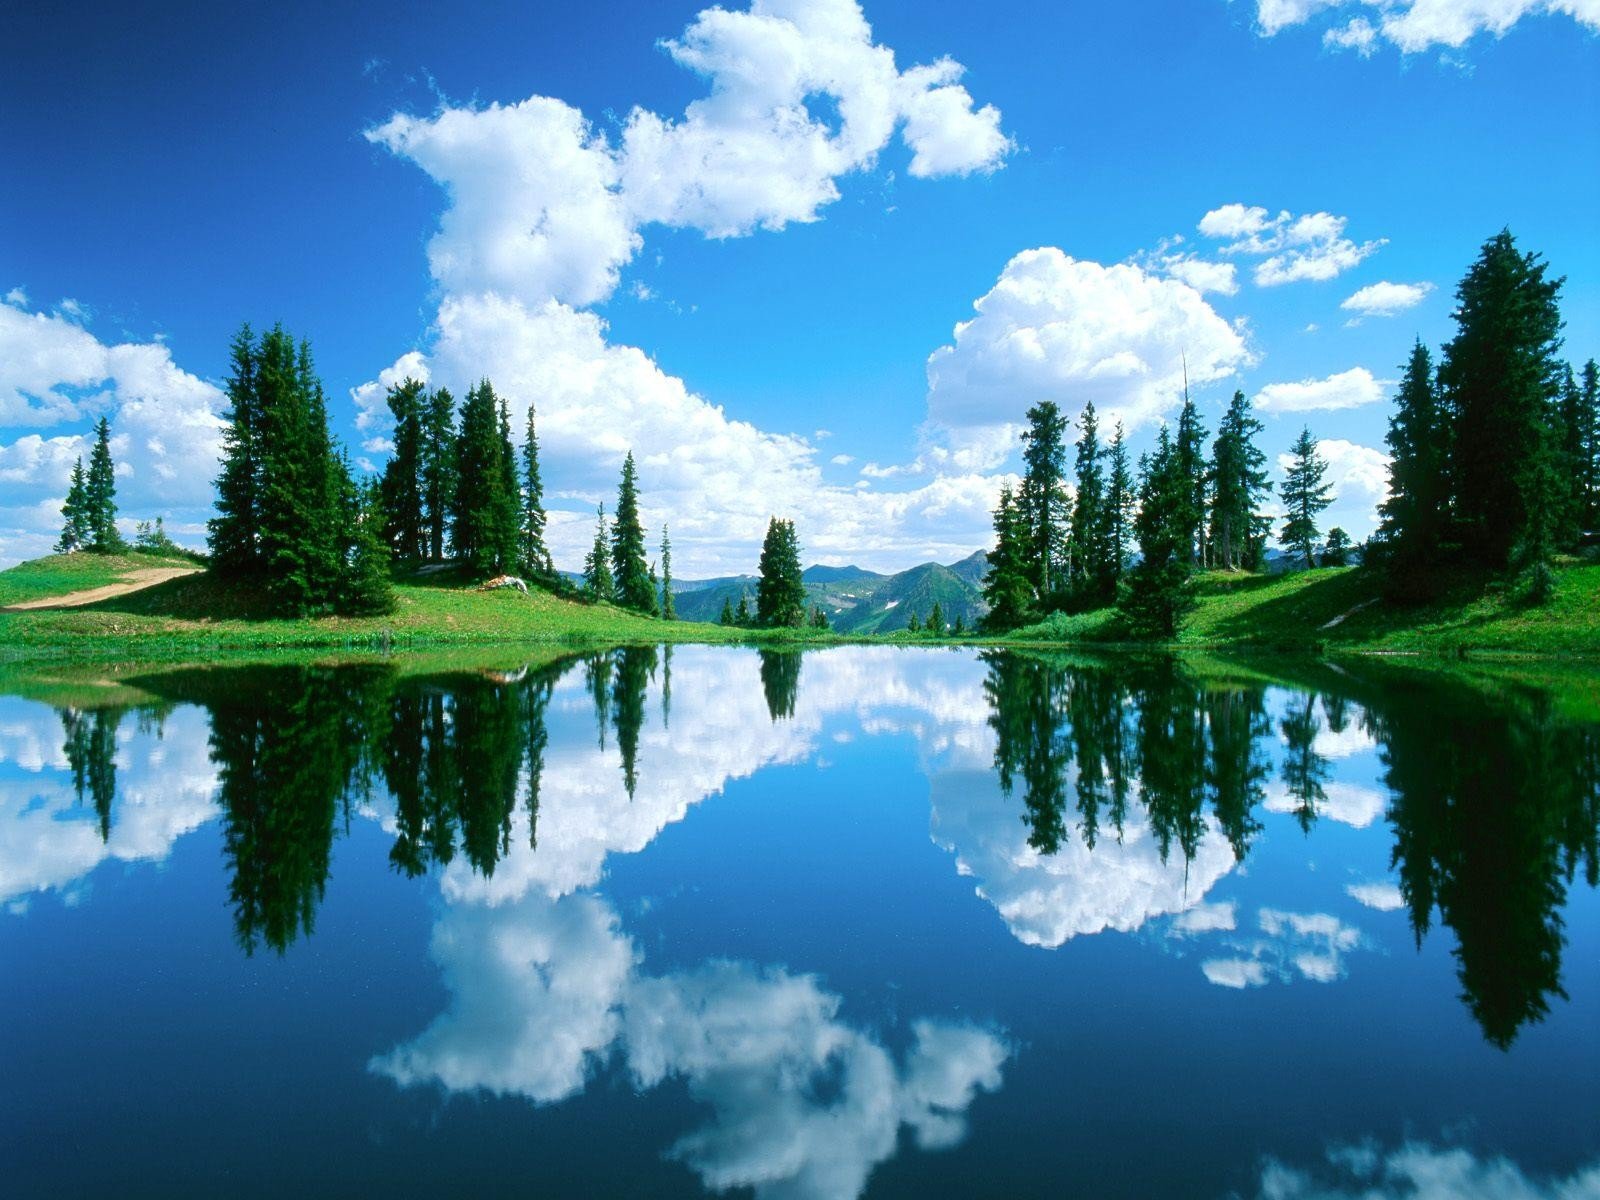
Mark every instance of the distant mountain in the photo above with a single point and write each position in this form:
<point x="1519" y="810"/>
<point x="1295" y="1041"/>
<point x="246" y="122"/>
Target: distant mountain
<point x="856" y="600"/>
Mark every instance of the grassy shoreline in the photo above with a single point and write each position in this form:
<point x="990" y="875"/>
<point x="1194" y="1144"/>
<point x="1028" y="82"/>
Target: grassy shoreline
<point x="1323" y="612"/>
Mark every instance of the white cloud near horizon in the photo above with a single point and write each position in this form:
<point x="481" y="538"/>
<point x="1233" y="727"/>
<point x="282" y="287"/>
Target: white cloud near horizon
<point x="1419" y="1171"/>
<point x="1348" y="389"/>
<point x="1058" y="328"/>
<point x="1413" y="26"/>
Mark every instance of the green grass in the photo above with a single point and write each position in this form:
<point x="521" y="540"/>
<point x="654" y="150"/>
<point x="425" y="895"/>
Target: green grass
<point x="59" y="574"/>
<point x="198" y="615"/>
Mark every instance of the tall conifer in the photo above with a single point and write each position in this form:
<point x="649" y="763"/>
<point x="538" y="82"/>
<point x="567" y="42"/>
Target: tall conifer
<point x="1042" y="500"/>
<point x="100" y="494"/>
<point x="402" y="474"/>
<point x="438" y="470"/>
<point x="781" y="592"/>
<point x="535" y="556"/>
<point x="75" y="514"/>
<point x="669" y="609"/>
<point x="630" y="572"/>
<point x="1238" y="487"/>
<point x="1305" y="496"/>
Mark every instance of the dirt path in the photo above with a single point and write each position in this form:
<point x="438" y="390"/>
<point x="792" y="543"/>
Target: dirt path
<point x="136" y="581"/>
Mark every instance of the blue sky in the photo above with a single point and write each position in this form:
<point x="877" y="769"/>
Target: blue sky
<point x="757" y="232"/>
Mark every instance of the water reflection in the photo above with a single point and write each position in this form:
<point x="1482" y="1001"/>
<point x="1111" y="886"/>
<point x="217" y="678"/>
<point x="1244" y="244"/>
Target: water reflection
<point x="1078" y="796"/>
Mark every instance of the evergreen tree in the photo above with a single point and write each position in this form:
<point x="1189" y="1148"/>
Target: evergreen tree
<point x="1590" y="424"/>
<point x="1415" y="517"/>
<point x="669" y="609"/>
<point x="1006" y="587"/>
<point x="913" y="623"/>
<point x="1095" y="570"/>
<point x="1160" y="588"/>
<point x="438" y="470"/>
<point x="1121" y="495"/>
<point x="1337" y="552"/>
<point x="483" y="532"/>
<point x="287" y="526"/>
<point x="631" y="574"/>
<point x="100" y="495"/>
<point x="741" y="615"/>
<point x="75" y="532"/>
<point x="534" y="555"/>
<point x="1191" y="465"/>
<point x="935" y="623"/>
<point x="1501" y="377"/>
<point x="597" y="579"/>
<point x="959" y="629"/>
<point x="1304" y="497"/>
<point x="1043" y="502"/>
<point x="151" y="538"/>
<point x="727" y="617"/>
<point x="365" y="588"/>
<point x="819" y="619"/>
<point x="1238" y="487"/>
<point x="780" y="593"/>
<point x="402" y="474"/>
<point x="234" y="535"/>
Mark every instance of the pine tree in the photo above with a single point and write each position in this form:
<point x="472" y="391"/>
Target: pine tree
<point x="819" y="619"/>
<point x="597" y="579"/>
<point x="1006" y="587"/>
<point x="1093" y="566"/>
<point x="483" y="532"/>
<point x="913" y="623"/>
<point x="75" y="531"/>
<point x="1160" y="588"/>
<point x="628" y="567"/>
<point x="100" y="495"/>
<point x="1121" y="495"/>
<point x="365" y="587"/>
<point x="741" y="615"/>
<point x="669" y="608"/>
<point x="1304" y="497"/>
<point x="1590" y="423"/>
<point x="726" y="617"/>
<point x="1043" y="503"/>
<point x="959" y="629"/>
<point x="534" y="554"/>
<point x="780" y="592"/>
<point x="1337" y="552"/>
<point x="935" y="624"/>
<point x="402" y="474"/>
<point x="1238" y="487"/>
<point x="438" y="470"/>
<point x="234" y="535"/>
<point x="286" y="531"/>
<point x="322" y="504"/>
<point x="1191" y="464"/>
<point x="1415" y="517"/>
<point x="1500" y="377"/>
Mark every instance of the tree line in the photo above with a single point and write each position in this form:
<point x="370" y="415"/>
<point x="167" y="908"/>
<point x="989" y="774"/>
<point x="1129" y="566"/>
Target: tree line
<point x="1495" y="466"/>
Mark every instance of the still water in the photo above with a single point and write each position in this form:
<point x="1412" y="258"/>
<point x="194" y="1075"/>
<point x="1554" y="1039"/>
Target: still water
<point x="877" y="922"/>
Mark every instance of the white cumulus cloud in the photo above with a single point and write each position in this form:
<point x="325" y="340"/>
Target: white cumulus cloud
<point x="1385" y="299"/>
<point x="1291" y="249"/>
<point x="1417" y="25"/>
<point x="1347" y="389"/>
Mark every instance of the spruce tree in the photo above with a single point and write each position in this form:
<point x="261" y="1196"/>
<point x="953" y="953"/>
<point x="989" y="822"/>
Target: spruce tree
<point x="1042" y="500"/>
<point x="628" y="566"/>
<point x="597" y="579"/>
<point x="534" y="554"/>
<point x="287" y="530"/>
<point x="402" y="474"/>
<point x="1160" y="588"/>
<point x="1121" y="495"/>
<point x="438" y="470"/>
<point x="1590" y="393"/>
<point x="100" y="495"/>
<point x="819" y="619"/>
<point x="726" y="617"/>
<point x="483" y="532"/>
<point x="1415" y="517"/>
<point x="669" y="608"/>
<point x="935" y="623"/>
<point x="741" y="615"/>
<point x="1093" y="565"/>
<point x="234" y="534"/>
<point x="913" y="623"/>
<point x="1500" y="376"/>
<point x="780" y="592"/>
<point x="1304" y="497"/>
<point x="1238" y="487"/>
<point x="1337" y="552"/>
<point x="365" y="588"/>
<point x="1191" y="464"/>
<point x="75" y="532"/>
<point x="1007" y="589"/>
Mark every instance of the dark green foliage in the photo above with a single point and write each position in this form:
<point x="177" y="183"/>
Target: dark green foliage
<point x="1415" y="517"/>
<point x="635" y="666"/>
<point x="1042" y="502"/>
<point x="1160" y="588"/>
<point x="819" y="619"/>
<point x="780" y="593"/>
<point x="402" y="474"/>
<point x="1190" y="450"/>
<point x="75" y="514"/>
<point x="959" y="629"/>
<point x="1305" y="496"/>
<point x="534" y="555"/>
<point x="484" y="516"/>
<point x="935" y="622"/>
<point x="1238" y="488"/>
<point x="100" y="495"/>
<point x="91" y="750"/>
<point x="669" y="610"/>
<point x="1095" y="566"/>
<point x="597" y="580"/>
<point x="1007" y="588"/>
<point x="630" y="574"/>
<point x="1337" y="552"/>
<point x="1121" y="495"/>
<point x="151" y="538"/>
<point x="1501" y="381"/>
<point x="780" y="682"/>
<point x="234" y="533"/>
<point x="438" y="471"/>
<point x="727" y="617"/>
<point x="1589" y="426"/>
<point x="365" y="587"/>
<point x="741" y="615"/>
<point x="913" y="624"/>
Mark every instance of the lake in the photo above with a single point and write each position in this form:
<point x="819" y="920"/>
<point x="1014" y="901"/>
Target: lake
<point x="862" y="921"/>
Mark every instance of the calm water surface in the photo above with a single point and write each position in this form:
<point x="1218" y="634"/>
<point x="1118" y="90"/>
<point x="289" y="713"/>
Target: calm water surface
<point x="858" y="922"/>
